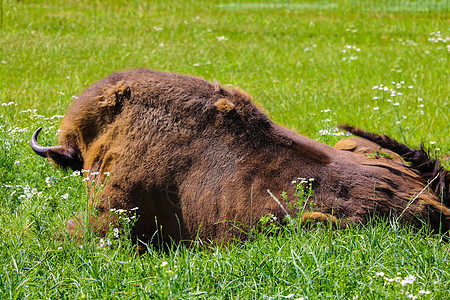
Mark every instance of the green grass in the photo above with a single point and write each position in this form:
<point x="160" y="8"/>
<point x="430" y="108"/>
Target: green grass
<point x="290" y="57"/>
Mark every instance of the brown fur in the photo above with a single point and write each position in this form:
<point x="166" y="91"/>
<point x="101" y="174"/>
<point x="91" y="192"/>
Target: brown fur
<point x="200" y="159"/>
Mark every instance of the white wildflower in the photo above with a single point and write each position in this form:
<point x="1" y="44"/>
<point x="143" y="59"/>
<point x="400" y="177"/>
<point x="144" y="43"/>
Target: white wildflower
<point x="163" y="264"/>
<point x="424" y="292"/>
<point x="408" y="280"/>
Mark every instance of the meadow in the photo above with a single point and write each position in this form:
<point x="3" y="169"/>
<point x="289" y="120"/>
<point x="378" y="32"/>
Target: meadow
<point x="379" y="65"/>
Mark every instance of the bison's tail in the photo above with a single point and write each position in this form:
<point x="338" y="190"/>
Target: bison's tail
<point x="430" y="169"/>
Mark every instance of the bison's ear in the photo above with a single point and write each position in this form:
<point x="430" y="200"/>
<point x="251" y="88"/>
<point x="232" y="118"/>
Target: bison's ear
<point x="113" y="95"/>
<point x="224" y="105"/>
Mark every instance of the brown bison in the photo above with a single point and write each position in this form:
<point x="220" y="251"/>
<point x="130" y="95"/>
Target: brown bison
<point x="199" y="160"/>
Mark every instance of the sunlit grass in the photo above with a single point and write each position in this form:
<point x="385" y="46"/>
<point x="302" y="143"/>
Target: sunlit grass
<point x="310" y="65"/>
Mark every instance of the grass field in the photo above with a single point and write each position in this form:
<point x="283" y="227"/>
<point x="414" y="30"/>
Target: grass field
<point x="380" y="65"/>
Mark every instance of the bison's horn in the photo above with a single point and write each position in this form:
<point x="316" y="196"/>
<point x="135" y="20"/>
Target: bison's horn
<point x="41" y="151"/>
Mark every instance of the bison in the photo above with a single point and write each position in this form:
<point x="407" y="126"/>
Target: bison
<point x="201" y="161"/>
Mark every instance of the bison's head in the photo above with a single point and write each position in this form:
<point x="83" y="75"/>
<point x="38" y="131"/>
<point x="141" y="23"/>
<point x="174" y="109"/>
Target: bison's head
<point x="89" y="115"/>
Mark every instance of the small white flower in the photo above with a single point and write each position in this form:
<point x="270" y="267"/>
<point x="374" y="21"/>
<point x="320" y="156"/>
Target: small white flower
<point x="163" y="264"/>
<point x="156" y="28"/>
<point x="424" y="292"/>
<point x="381" y="274"/>
<point x="222" y="38"/>
<point x="375" y="98"/>
<point x="65" y="196"/>
<point x="376" y="108"/>
<point x="396" y="104"/>
<point x="408" y="280"/>
<point x="104" y="242"/>
<point x="432" y="142"/>
<point x="116" y="232"/>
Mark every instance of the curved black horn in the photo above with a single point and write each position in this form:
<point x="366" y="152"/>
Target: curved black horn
<point x="41" y="151"/>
